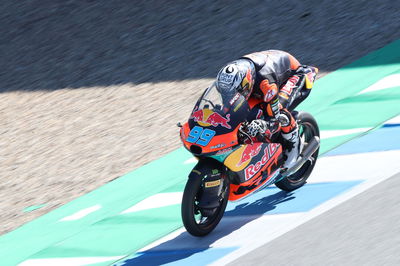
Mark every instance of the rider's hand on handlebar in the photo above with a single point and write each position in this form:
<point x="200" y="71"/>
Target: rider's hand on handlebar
<point x="256" y="127"/>
<point x="258" y="130"/>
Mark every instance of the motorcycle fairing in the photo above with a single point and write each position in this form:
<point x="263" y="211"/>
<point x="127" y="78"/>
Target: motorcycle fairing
<point x="238" y="192"/>
<point x="254" y="165"/>
<point x="214" y="122"/>
<point x="217" y="143"/>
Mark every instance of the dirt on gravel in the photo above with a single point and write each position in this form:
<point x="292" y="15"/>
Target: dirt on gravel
<point x="91" y="90"/>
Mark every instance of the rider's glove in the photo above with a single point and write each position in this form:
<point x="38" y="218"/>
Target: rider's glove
<point x="256" y="127"/>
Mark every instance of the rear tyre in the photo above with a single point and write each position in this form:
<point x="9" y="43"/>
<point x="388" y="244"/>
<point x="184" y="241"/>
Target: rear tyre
<point x="308" y="128"/>
<point x="192" y="215"/>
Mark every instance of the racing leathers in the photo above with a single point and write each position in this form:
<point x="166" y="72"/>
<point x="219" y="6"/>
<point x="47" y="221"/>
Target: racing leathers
<point x="279" y="78"/>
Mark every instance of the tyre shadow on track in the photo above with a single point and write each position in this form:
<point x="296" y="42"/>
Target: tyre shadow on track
<point x="185" y="245"/>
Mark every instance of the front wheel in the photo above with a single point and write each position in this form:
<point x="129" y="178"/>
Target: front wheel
<point x="200" y="221"/>
<point x="308" y="128"/>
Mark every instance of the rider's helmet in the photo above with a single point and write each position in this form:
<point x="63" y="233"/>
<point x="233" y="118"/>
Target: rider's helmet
<point x="237" y="76"/>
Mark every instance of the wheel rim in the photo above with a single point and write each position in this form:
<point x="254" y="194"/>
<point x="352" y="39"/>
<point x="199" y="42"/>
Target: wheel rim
<point x="205" y="221"/>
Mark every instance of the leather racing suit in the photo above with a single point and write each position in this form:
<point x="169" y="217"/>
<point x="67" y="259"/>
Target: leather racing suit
<point x="279" y="78"/>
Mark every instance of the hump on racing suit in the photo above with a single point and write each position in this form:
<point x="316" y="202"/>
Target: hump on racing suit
<point x="274" y="65"/>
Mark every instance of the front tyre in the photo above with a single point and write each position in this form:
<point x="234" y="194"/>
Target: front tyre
<point x="308" y="128"/>
<point x="199" y="221"/>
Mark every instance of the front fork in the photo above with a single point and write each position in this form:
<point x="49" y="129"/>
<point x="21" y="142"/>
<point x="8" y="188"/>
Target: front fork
<point x="214" y="185"/>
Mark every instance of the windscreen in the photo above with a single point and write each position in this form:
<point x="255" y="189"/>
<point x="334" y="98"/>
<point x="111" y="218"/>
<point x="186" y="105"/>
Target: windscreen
<point x="221" y="111"/>
<point x="215" y="100"/>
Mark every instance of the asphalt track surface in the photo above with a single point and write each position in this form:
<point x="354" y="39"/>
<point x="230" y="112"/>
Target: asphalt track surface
<point x="362" y="231"/>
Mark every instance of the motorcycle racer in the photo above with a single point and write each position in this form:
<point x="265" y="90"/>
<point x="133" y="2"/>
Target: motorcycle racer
<point x="275" y="77"/>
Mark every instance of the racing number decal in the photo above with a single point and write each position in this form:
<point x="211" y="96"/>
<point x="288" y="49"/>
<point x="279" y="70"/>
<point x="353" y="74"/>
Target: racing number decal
<point x="200" y="136"/>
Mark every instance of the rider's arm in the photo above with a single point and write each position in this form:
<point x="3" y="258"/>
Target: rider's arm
<point x="270" y="97"/>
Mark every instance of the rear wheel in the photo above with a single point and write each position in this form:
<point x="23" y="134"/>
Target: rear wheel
<point x="308" y="128"/>
<point x="198" y="221"/>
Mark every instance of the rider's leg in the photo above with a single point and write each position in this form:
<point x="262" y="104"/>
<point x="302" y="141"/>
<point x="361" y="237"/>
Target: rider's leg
<point x="290" y="133"/>
<point x="301" y="90"/>
<point x="289" y="127"/>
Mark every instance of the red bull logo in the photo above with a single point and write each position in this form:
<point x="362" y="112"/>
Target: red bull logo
<point x="249" y="152"/>
<point x="197" y="115"/>
<point x="206" y="117"/>
<point x="253" y="169"/>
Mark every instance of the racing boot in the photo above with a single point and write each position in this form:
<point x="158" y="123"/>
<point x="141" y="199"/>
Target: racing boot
<point x="292" y="147"/>
<point x="290" y="134"/>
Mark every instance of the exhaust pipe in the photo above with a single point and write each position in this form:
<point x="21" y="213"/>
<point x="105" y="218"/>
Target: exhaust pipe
<point x="305" y="155"/>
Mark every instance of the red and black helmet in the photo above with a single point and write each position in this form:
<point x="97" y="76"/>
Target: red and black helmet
<point x="237" y="76"/>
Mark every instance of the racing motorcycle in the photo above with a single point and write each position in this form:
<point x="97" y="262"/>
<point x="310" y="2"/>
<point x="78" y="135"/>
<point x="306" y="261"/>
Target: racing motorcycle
<point x="230" y="166"/>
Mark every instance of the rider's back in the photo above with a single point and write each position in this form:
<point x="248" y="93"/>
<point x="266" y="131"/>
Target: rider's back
<point x="274" y="65"/>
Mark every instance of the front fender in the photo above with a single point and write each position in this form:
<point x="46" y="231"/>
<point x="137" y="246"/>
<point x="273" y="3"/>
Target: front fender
<point x="213" y="182"/>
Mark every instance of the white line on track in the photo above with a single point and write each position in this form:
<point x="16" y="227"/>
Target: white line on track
<point x="191" y="160"/>
<point x="360" y="166"/>
<point x="393" y="121"/>
<point x="82" y="213"/>
<point x="156" y="201"/>
<point x="385" y="83"/>
<point x="326" y="134"/>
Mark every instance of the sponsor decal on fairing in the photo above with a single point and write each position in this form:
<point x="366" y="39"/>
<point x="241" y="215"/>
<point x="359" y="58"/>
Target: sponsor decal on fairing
<point x="209" y="118"/>
<point x="224" y="151"/>
<point x="250" y="151"/>
<point x="213" y="183"/>
<point x="252" y="169"/>
<point x="220" y="145"/>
